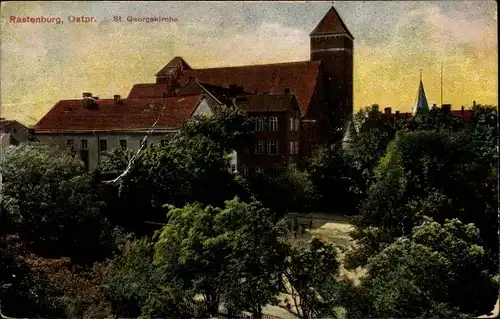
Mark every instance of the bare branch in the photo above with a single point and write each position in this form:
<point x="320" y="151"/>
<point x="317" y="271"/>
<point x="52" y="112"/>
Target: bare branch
<point x="132" y="160"/>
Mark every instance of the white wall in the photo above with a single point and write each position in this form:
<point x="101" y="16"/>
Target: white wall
<point x="202" y="109"/>
<point x="113" y="141"/>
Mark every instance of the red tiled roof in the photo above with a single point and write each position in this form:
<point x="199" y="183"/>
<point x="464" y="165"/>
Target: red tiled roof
<point x="265" y="103"/>
<point x="133" y="114"/>
<point x="299" y="77"/>
<point x="148" y="90"/>
<point x="331" y="24"/>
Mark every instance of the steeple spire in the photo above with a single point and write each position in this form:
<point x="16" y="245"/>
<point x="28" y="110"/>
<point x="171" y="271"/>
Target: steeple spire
<point x="422" y="107"/>
<point x="349" y="135"/>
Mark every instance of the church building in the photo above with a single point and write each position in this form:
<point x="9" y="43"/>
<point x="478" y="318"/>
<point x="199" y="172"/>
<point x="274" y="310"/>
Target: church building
<point x="296" y="106"/>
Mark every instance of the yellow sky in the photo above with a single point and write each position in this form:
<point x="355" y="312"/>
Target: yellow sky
<point x="43" y="63"/>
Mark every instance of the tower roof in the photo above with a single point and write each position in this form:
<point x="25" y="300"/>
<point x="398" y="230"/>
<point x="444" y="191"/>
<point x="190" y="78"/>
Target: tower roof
<point x="331" y="24"/>
<point x="350" y="133"/>
<point x="421" y="107"/>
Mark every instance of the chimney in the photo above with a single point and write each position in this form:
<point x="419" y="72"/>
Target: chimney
<point x="446" y="108"/>
<point x="474" y="103"/>
<point x="434" y="106"/>
<point x="375" y="108"/>
<point x="397" y="113"/>
<point x="87" y="99"/>
<point x="462" y="110"/>
<point x="287" y="91"/>
<point x="117" y="99"/>
<point x="387" y="110"/>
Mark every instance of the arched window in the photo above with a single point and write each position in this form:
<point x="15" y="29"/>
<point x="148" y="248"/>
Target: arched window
<point x="297" y="124"/>
<point x="260" y="148"/>
<point x="272" y="148"/>
<point x="273" y="123"/>
<point x="259" y="124"/>
<point x="290" y="126"/>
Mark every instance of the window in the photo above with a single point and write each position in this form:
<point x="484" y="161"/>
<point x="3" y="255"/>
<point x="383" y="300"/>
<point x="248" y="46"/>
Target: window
<point x="272" y="147"/>
<point x="123" y="144"/>
<point x="273" y="123"/>
<point x="259" y="170"/>
<point x="103" y="146"/>
<point x="294" y="147"/>
<point x="297" y="124"/>
<point x="245" y="170"/>
<point x="246" y="150"/>
<point x="290" y="126"/>
<point x="259" y="150"/>
<point x="233" y="168"/>
<point x="259" y="124"/>
<point x="84" y="144"/>
<point x="70" y="145"/>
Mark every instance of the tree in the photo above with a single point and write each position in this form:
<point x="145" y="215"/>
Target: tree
<point x="48" y="200"/>
<point x="312" y="277"/>
<point x="375" y="131"/>
<point x="193" y="166"/>
<point x="335" y="180"/>
<point x="134" y="285"/>
<point x="437" y="271"/>
<point x="427" y="173"/>
<point x="228" y="128"/>
<point x="436" y="119"/>
<point x="407" y="280"/>
<point x="231" y="256"/>
<point x="290" y="190"/>
<point x="40" y="287"/>
<point x="472" y="288"/>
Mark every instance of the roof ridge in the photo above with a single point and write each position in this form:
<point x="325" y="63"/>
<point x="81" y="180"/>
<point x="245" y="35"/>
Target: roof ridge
<point x="254" y="65"/>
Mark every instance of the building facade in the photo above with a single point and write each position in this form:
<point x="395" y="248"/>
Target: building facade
<point x="296" y="107"/>
<point x="12" y="133"/>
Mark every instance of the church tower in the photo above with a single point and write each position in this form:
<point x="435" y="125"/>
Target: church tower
<point x="332" y="43"/>
<point x="421" y="107"/>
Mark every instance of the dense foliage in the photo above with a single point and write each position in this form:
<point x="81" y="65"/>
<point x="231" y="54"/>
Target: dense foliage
<point x="48" y="201"/>
<point x="422" y="196"/>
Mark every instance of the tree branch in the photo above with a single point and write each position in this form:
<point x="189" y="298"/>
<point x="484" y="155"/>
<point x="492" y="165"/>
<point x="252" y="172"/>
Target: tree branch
<point x="132" y="160"/>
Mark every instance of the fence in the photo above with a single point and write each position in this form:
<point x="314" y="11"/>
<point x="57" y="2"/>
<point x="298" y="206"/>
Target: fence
<point x="243" y="316"/>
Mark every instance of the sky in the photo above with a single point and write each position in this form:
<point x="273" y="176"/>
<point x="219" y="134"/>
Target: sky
<point x="44" y="63"/>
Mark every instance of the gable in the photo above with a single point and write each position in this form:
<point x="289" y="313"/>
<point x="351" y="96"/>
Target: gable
<point x="203" y="109"/>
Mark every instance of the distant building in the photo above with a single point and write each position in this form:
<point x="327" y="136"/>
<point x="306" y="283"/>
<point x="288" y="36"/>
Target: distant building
<point x="12" y="133"/>
<point x="276" y="122"/>
<point x="90" y="127"/>
<point x="421" y="107"/>
<point x="296" y="106"/>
